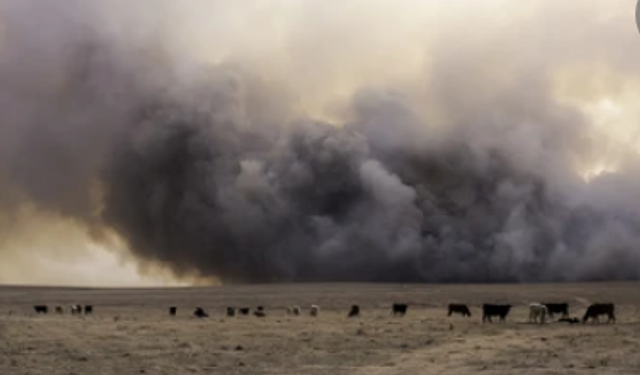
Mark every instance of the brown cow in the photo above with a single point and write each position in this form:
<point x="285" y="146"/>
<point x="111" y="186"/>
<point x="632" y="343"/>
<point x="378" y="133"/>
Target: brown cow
<point x="594" y="311"/>
<point x="459" y="308"/>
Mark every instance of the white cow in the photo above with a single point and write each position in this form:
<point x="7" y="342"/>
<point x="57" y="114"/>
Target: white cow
<point x="537" y="313"/>
<point x="314" y="310"/>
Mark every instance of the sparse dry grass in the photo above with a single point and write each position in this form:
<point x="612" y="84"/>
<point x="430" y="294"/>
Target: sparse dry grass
<point x="132" y="333"/>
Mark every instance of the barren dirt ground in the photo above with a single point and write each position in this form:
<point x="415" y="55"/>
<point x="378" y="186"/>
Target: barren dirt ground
<point x="131" y="331"/>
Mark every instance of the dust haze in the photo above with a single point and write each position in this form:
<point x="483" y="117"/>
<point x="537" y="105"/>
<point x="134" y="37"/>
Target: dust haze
<point x="303" y="141"/>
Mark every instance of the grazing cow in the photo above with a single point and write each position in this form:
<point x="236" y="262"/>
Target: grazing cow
<point x="557" y="308"/>
<point x="200" y="313"/>
<point x="88" y="309"/>
<point x="537" y="313"/>
<point x="314" y="310"/>
<point x="244" y="310"/>
<point x="75" y="309"/>
<point x="59" y="310"/>
<point x="399" y="309"/>
<point x="489" y="310"/>
<point x="594" y="311"/>
<point x="459" y="308"/>
<point x="355" y="311"/>
<point x="173" y="311"/>
<point x="231" y="312"/>
<point x="41" y="309"/>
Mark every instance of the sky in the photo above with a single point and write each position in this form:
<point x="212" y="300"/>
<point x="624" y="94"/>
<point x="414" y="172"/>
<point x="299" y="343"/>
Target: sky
<point x="279" y="140"/>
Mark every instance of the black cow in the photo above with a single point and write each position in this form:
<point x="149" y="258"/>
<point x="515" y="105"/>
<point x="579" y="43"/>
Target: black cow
<point x="399" y="309"/>
<point x="88" y="309"/>
<point x="244" y="310"/>
<point x="41" y="309"/>
<point x="594" y="311"/>
<point x="173" y="311"/>
<point x="355" y="311"/>
<point x="200" y="313"/>
<point x="557" y="308"/>
<point x="459" y="308"/>
<point x="489" y="310"/>
<point x="231" y="311"/>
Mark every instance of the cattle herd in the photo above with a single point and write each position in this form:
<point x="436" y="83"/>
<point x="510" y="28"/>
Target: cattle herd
<point x="73" y="309"/>
<point x="538" y="312"/>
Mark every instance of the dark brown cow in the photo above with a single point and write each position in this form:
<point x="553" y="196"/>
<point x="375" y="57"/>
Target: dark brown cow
<point x="557" y="308"/>
<point x="231" y="312"/>
<point x="88" y="309"/>
<point x="459" y="309"/>
<point x="173" y="311"/>
<point x="355" y="311"/>
<point x="489" y="310"/>
<point x="399" y="309"/>
<point x="594" y="311"/>
<point x="41" y="309"/>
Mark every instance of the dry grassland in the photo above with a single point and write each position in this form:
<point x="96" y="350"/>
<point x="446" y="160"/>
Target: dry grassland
<point x="131" y="331"/>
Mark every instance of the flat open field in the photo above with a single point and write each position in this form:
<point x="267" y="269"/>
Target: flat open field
<point x="131" y="331"/>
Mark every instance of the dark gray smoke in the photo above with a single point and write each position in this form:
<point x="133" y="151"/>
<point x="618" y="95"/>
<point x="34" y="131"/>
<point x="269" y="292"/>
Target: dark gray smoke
<point x="213" y="168"/>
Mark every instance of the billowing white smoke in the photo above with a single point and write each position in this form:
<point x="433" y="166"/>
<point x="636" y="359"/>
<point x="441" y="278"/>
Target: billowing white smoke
<point x="313" y="141"/>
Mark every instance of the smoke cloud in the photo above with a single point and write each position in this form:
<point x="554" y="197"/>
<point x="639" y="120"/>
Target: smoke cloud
<point x="270" y="141"/>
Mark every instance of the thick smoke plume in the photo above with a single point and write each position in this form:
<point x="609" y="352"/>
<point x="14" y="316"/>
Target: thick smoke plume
<point x="366" y="141"/>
